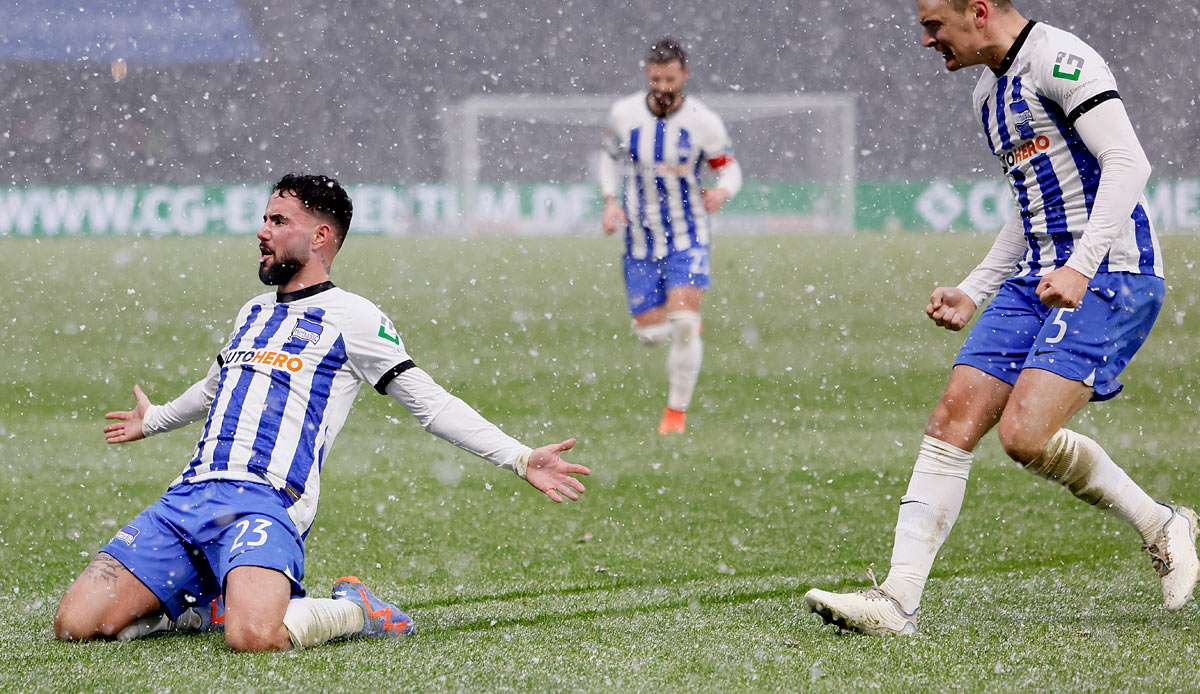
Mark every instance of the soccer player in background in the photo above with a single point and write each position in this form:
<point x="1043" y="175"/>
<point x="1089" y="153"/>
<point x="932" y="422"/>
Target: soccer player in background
<point x="655" y="143"/>
<point x="1080" y="278"/>
<point x="273" y="401"/>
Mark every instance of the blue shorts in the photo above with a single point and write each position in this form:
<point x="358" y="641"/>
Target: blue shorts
<point x="1091" y="344"/>
<point x="647" y="281"/>
<point x="184" y="545"/>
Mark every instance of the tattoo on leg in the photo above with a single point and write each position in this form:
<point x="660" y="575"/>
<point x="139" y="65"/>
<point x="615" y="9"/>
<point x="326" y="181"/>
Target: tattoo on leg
<point x="104" y="568"/>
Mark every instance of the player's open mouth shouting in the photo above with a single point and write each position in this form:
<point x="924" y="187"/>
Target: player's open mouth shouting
<point x="948" y="56"/>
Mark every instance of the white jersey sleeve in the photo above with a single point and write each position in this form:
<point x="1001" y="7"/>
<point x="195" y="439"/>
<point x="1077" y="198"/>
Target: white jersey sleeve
<point x="714" y="141"/>
<point x="610" y="154"/>
<point x="1078" y="79"/>
<point x="1124" y="170"/>
<point x="452" y="420"/>
<point x="998" y="265"/>
<point x="377" y="355"/>
<point x="374" y="348"/>
<point x="718" y="152"/>
<point x="1082" y="83"/>
<point x="189" y="407"/>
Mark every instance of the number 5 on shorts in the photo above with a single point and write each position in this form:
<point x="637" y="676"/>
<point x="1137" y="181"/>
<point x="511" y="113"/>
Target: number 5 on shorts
<point x="259" y="531"/>
<point x="1060" y="321"/>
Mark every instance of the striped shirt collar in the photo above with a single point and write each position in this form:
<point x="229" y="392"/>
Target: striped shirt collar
<point x="1016" y="48"/>
<point x="288" y="297"/>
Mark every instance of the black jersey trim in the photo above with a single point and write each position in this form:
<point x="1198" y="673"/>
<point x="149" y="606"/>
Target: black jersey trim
<point x="1090" y="104"/>
<point x="392" y="373"/>
<point x="288" y="297"/>
<point x="1016" y="48"/>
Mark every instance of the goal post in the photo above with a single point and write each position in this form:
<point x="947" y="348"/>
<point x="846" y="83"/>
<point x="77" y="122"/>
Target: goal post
<point x="527" y="163"/>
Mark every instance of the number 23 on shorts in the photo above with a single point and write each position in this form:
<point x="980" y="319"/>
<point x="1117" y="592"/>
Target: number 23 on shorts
<point x="257" y="535"/>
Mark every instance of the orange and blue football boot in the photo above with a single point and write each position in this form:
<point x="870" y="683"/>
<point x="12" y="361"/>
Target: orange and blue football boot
<point x="379" y="618"/>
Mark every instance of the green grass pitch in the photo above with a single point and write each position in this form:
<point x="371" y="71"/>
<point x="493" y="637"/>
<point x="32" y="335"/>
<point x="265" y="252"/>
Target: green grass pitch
<point x="684" y="565"/>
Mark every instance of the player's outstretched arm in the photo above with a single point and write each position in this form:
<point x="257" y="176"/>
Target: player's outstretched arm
<point x="548" y="473"/>
<point x="452" y="420"/>
<point x="128" y="426"/>
<point x="950" y="308"/>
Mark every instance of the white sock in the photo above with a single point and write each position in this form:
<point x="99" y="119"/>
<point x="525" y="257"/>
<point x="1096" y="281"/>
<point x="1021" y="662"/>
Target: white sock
<point x="927" y="513"/>
<point x="683" y="359"/>
<point x="653" y="334"/>
<point x="1081" y="465"/>
<point x="313" y="621"/>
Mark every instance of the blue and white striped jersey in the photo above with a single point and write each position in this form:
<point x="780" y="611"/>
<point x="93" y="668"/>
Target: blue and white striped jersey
<point x="1028" y="108"/>
<point x="661" y="183"/>
<point x="283" y="385"/>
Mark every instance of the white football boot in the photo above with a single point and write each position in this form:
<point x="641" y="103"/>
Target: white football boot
<point x="1173" y="554"/>
<point x="872" y="612"/>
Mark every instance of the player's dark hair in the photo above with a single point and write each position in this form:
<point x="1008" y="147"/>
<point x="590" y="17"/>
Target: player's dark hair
<point x="961" y="5"/>
<point x="666" y="50"/>
<point x="320" y="194"/>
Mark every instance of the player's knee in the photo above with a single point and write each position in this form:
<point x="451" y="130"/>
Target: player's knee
<point x="652" y="334"/>
<point x="1021" y="443"/>
<point x="940" y="421"/>
<point x="684" y="326"/>
<point x="69" y="625"/>
<point x="949" y="424"/>
<point x="64" y="627"/>
<point x="256" y="638"/>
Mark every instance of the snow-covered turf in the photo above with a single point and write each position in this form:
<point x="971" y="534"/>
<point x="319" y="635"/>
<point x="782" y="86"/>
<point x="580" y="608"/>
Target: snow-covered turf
<point x="684" y="565"/>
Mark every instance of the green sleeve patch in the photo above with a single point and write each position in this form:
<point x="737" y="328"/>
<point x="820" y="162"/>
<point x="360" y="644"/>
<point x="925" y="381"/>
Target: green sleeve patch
<point x="1068" y="66"/>
<point x="383" y="332"/>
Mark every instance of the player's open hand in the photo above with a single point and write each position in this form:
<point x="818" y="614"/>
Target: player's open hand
<point x="551" y="475"/>
<point x="614" y="218"/>
<point x="129" y="422"/>
<point x="1063" y="288"/>
<point x="950" y="307"/>
<point x="714" y="198"/>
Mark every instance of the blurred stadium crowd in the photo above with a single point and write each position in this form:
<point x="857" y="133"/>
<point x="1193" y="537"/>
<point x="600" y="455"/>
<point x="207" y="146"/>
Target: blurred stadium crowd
<point x="360" y="87"/>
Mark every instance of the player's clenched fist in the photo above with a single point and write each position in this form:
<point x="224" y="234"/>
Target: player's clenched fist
<point x="1063" y="288"/>
<point x="614" y="217"/>
<point x="950" y="307"/>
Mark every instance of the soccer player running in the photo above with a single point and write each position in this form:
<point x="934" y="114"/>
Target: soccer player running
<point x="1079" y="273"/>
<point x="272" y="403"/>
<point x="655" y="143"/>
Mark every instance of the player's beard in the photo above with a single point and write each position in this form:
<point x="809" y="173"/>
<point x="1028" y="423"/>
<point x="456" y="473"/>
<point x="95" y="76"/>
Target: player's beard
<point x="664" y="102"/>
<point x="277" y="273"/>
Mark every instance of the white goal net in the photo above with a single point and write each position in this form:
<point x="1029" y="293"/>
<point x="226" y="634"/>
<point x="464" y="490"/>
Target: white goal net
<point x="526" y="163"/>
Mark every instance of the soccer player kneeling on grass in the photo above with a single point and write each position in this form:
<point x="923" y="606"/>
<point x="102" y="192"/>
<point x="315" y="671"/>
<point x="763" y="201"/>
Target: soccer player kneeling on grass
<point x="659" y="138"/>
<point x="1079" y="273"/>
<point x="234" y="522"/>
